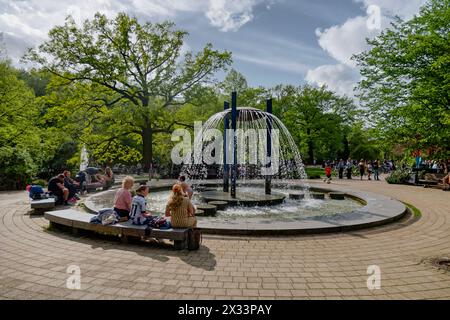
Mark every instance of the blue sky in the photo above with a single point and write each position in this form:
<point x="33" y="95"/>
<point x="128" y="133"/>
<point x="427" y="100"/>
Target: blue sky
<point x="272" y="41"/>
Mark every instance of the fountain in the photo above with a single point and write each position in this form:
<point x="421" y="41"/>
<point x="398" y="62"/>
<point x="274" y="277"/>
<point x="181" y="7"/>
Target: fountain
<point x="255" y="145"/>
<point x="261" y="189"/>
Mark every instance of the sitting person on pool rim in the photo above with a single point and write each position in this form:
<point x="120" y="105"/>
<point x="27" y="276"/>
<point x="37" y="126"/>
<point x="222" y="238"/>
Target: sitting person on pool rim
<point x="187" y="189"/>
<point x="56" y="187"/>
<point x="180" y="209"/>
<point x="139" y="213"/>
<point x="123" y="198"/>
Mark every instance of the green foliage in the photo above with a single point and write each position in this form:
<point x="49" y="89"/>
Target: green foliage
<point x="316" y="118"/>
<point x="20" y="139"/>
<point x="406" y="80"/>
<point x="131" y="78"/>
<point x="364" y="143"/>
<point x="314" y="173"/>
<point x="234" y="81"/>
<point x="400" y="176"/>
<point x="416" y="212"/>
<point x="40" y="182"/>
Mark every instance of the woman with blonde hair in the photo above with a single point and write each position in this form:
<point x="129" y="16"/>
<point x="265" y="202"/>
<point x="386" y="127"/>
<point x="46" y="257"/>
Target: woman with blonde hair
<point x="180" y="209"/>
<point x="123" y="198"/>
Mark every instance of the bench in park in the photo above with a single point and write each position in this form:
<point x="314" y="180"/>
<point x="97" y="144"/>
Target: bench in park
<point x="41" y="205"/>
<point x="432" y="179"/>
<point x="77" y="220"/>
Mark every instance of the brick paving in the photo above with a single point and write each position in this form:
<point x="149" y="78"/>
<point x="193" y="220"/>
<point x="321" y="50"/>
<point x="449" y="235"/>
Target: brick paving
<point x="33" y="260"/>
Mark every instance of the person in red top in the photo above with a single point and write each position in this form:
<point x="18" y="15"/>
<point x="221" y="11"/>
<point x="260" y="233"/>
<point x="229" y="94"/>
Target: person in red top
<point x="327" y="173"/>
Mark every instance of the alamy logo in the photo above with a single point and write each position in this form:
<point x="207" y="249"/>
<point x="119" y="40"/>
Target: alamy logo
<point x="256" y="147"/>
<point x="374" y="280"/>
<point x="374" y="17"/>
<point x="74" y="280"/>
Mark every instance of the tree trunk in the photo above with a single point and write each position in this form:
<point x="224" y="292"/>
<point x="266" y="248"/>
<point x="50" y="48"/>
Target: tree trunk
<point x="147" y="152"/>
<point x="310" y="147"/>
<point x="346" y="152"/>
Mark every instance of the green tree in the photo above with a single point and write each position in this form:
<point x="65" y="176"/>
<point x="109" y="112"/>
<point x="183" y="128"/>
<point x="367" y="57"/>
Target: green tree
<point x="24" y="144"/>
<point x="364" y="143"/>
<point x="406" y="80"/>
<point x="234" y="81"/>
<point x="315" y="117"/>
<point x="138" y="65"/>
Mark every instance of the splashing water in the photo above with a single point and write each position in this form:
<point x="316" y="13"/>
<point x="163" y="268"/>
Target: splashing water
<point x="254" y="127"/>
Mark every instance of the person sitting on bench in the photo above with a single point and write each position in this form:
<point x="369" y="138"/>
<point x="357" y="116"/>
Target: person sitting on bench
<point x="96" y="174"/>
<point x="70" y="184"/>
<point x="187" y="190"/>
<point x="123" y="198"/>
<point x="139" y="214"/>
<point x="108" y="177"/>
<point x="56" y="187"/>
<point x="446" y="181"/>
<point x="180" y="209"/>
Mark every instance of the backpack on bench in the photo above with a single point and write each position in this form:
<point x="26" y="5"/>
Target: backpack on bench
<point x="194" y="239"/>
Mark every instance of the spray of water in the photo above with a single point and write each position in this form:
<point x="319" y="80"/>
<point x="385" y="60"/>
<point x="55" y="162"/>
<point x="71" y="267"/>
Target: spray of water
<point x="250" y="120"/>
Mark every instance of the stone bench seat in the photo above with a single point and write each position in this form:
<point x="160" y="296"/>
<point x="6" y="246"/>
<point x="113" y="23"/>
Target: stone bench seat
<point x="78" y="220"/>
<point x="43" y="204"/>
<point x="432" y="179"/>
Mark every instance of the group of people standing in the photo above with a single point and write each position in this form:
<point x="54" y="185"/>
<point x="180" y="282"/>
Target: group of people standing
<point x="369" y="167"/>
<point x="346" y="167"/>
<point x="179" y="206"/>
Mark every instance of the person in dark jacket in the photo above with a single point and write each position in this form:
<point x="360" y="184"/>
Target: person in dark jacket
<point x="56" y="187"/>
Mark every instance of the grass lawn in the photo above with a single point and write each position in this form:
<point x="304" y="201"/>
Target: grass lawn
<point x="314" y="172"/>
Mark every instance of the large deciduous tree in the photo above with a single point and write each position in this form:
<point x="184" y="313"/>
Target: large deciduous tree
<point x="24" y="143"/>
<point x="140" y="67"/>
<point x="316" y="117"/>
<point x="406" y="79"/>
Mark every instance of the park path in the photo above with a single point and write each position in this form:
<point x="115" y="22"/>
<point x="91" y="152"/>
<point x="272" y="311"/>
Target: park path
<point x="33" y="261"/>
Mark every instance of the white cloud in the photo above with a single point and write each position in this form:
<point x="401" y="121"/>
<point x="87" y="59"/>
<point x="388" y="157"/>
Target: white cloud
<point x="340" y="77"/>
<point x="343" y="41"/>
<point x="277" y="63"/>
<point x="230" y="15"/>
<point x="403" y="8"/>
<point x="30" y="20"/>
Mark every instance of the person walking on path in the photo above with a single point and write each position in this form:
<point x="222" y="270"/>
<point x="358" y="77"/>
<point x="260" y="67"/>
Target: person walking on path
<point x="349" y="167"/>
<point x="341" y="167"/>
<point x="362" y="168"/>
<point x="376" y="168"/>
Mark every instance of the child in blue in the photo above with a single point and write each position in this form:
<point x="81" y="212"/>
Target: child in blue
<point x="139" y="214"/>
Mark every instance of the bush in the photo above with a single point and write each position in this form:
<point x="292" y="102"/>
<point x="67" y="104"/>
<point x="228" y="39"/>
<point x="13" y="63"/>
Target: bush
<point x="40" y="182"/>
<point x="400" y="176"/>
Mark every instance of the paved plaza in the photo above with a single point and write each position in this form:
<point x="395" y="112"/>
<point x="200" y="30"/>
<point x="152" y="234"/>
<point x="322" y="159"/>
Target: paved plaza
<point x="34" y="261"/>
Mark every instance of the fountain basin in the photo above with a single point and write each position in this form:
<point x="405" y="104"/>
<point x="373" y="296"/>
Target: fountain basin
<point x="365" y="210"/>
<point x="243" y="198"/>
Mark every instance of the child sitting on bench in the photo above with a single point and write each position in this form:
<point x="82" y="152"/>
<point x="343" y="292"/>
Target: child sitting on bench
<point x="139" y="213"/>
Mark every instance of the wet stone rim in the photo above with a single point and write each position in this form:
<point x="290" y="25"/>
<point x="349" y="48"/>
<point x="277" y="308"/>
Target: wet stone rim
<point x="377" y="210"/>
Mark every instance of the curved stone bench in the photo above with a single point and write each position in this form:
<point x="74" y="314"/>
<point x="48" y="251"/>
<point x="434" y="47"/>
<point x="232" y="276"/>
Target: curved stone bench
<point x="77" y="220"/>
<point x="41" y="205"/>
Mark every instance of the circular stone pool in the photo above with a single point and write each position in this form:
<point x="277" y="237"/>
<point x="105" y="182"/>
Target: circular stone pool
<point x="358" y="210"/>
<point x="289" y="210"/>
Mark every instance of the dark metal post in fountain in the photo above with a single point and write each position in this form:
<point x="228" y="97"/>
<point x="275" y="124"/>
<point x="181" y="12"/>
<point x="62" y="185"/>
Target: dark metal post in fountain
<point x="233" y="127"/>
<point x="226" y="174"/>
<point x="269" y="146"/>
